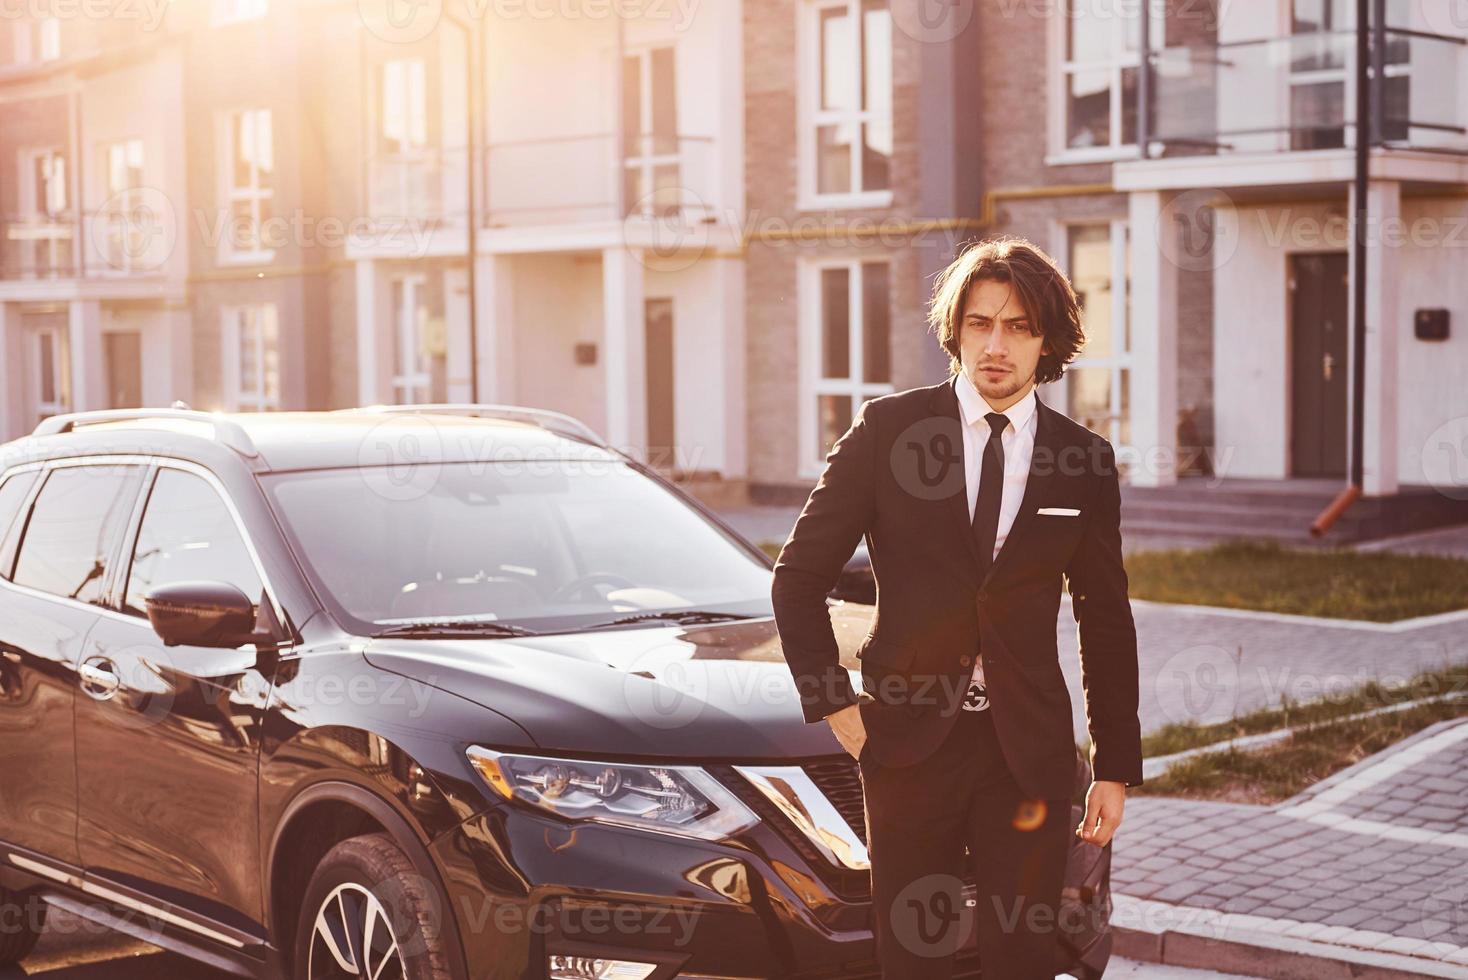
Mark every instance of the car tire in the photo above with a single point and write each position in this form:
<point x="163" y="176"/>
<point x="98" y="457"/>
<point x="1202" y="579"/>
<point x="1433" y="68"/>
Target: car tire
<point x="369" y="882"/>
<point x="22" y="919"/>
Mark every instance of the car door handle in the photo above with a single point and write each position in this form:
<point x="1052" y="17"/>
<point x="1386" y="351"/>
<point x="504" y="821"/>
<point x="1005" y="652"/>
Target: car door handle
<point x="99" y="679"/>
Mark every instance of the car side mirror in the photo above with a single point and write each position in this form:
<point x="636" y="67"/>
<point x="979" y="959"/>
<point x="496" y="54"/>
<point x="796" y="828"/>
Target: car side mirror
<point x="201" y="614"/>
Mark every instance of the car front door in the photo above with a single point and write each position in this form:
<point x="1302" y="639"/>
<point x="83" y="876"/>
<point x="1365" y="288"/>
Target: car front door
<point x="168" y="738"/>
<point x="58" y="545"/>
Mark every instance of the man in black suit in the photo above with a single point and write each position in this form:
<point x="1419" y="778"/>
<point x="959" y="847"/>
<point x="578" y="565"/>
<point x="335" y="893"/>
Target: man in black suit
<point x="976" y="499"/>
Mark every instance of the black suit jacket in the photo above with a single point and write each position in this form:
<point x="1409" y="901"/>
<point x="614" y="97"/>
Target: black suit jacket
<point x="897" y="477"/>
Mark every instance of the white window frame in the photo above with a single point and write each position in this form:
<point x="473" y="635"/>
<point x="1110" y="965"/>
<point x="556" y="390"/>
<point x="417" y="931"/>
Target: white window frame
<point x="239" y="11"/>
<point x="52" y="233"/>
<point x="812" y="386"/>
<point x="119" y="207"/>
<point x="37" y="41"/>
<point x="408" y="347"/>
<point x="230" y="193"/>
<point x="1060" y="70"/>
<point x="404" y="179"/>
<point x="809" y="115"/>
<point x="236" y="398"/>
<point x="642" y="161"/>
<point x="60" y="372"/>
<point x="1119" y="360"/>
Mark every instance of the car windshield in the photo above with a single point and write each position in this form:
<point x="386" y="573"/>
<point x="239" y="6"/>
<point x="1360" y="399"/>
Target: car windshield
<point x="548" y="546"/>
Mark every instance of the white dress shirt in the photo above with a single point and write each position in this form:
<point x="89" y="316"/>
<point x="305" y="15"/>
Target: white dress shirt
<point x="1018" y="440"/>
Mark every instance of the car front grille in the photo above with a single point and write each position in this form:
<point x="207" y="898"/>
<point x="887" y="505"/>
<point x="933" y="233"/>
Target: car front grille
<point x="841" y="782"/>
<point x="839" y="779"/>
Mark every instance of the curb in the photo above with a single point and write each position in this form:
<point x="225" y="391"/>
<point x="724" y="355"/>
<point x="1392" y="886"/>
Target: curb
<point x="1185" y="936"/>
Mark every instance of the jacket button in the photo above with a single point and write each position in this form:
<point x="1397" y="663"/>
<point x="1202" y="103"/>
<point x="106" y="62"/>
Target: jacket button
<point x="965" y="660"/>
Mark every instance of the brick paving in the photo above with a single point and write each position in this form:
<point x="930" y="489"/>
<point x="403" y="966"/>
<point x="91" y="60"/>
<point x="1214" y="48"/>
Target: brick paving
<point x="1374" y="858"/>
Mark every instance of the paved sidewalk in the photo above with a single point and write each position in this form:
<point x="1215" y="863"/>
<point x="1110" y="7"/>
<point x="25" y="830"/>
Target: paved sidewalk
<point x="1369" y="865"/>
<point x="1448" y="542"/>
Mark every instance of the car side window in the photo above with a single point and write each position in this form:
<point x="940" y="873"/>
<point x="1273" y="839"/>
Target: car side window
<point x="73" y="530"/>
<point x="12" y="495"/>
<point x="187" y="535"/>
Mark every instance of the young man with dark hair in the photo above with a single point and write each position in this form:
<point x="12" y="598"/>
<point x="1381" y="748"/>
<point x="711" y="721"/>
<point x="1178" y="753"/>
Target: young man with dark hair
<point x="976" y="500"/>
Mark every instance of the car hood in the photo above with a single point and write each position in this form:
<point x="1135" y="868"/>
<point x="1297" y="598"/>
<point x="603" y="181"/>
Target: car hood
<point x="720" y="691"/>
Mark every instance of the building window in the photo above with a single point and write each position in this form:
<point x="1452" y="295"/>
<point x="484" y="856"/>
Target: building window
<point x="49" y="373"/>
<point x="845" y="349"/>
<point x="37" y="40"/>
<point x="1098" y="76"/>
<point x="249" y="159"/>
<point x="251" y="345"/>
<point x="404" y="179"/>
<point x="125" y="237"/>
<point x="45" y="243"/>
<point x="650" y="148"/>
<point x="1098" y="383"/>
<point x="846" y="137"/>
<point x="420" y="367"/>
<point x="233" y="11"/>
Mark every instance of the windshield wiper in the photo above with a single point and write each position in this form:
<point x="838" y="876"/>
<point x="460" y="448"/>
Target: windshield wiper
<point x="453" y="627"/>
<point x="683" y="617"/>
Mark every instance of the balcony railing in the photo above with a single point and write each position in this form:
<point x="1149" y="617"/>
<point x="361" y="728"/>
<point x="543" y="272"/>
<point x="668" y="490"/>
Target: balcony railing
<point x="115" y="243"/>
<point x="1296" y="93"/>
<point x="424" y="184"/>
<point x="584" y="179"/>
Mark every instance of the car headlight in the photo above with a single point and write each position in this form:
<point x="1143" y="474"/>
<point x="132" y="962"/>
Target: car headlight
<point x="682" y="800"/>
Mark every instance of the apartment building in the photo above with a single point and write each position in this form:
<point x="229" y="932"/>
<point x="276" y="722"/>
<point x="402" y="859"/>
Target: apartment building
<point x="1201" y="216"/>
<point x="93" y="295"/>
<point x="608" y="192"/>
<point x="710" y="230"/>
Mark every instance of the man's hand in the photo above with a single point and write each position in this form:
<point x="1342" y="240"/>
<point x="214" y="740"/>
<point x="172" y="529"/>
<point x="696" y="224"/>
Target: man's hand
<point x="848" y="727"/>
<point x="1104" y="802"/>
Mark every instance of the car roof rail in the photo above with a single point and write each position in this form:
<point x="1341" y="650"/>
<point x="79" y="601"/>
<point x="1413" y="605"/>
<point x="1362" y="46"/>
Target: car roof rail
<point x="225" y="431"/>
<point x="557" y="422"/>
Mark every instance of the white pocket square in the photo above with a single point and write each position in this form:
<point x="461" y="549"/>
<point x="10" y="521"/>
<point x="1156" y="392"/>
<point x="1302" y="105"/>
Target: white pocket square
<point x="1060" y="511"/>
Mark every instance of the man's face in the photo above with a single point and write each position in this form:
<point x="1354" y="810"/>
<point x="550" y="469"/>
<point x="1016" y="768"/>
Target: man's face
<point x="998" y="352"/>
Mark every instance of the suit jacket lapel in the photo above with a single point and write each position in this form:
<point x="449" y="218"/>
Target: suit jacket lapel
<point x="1042" y="472"/>
<point x="945" y="402"/>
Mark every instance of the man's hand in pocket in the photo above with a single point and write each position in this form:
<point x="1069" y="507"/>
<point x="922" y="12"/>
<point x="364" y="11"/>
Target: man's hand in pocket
<point x="850" y="731"/>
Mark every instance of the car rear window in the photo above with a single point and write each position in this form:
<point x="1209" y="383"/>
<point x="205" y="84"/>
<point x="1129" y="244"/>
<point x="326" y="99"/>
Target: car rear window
<point x="71" y="535"/>
<point x="12" y="495"/>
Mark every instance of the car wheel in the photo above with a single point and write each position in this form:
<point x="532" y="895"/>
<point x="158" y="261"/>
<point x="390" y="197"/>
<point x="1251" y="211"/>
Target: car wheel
<point x="369" y="913"/>
<point x="21" y="921"/>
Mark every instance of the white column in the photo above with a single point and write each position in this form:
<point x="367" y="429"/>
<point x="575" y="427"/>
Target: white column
<point x="456" y="326"/>
<point x="88" y="373"/>
<point x="368" y="392"/>
<point x="1384" y="324"/>
<point x="624" y="350"/>
<point x="1155" y="246"/>
<point x="494" y="295"/>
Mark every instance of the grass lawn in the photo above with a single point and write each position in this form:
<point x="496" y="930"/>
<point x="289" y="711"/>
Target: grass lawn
<point x="1338" y="583"/>
<point x="1325" y="745"/>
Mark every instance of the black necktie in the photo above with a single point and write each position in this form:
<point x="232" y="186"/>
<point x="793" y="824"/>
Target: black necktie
<point x="991" y="485"/>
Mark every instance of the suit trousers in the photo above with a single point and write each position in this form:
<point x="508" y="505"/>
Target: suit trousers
<point x="919" y="819"/>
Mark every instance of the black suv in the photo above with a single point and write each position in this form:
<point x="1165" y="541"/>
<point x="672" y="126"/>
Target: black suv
<point x="442" y="692"/>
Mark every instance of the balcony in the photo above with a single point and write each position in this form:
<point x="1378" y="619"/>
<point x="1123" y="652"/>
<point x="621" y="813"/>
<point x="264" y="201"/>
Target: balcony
<point x="1240" y="105"/>
<point x="116" y="246"/>
<point x="661" y="189"/>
